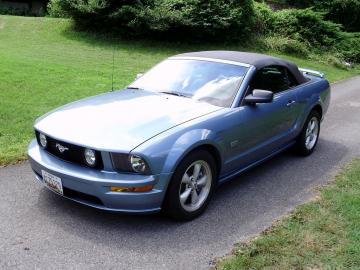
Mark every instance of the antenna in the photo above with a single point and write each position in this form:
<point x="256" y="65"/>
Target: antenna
<point x="113" y="68"/>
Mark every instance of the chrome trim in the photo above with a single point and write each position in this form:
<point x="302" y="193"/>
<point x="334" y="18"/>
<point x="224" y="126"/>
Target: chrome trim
<point x="210" y="60"/>
<point x="306" y="71"/>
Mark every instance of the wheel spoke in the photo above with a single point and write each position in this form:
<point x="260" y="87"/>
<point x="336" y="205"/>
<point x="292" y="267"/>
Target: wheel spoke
<point x="308" y="138"/>
<point x="186" y="179"/>
<point x="194" y="196"/>
<point x="196" y="172"/>
<point x="185" y="195"/>
<point x="202" y="181"/>
<point x="312" y="127"/>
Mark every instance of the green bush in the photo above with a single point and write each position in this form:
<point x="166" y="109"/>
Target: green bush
<point x="264" y="18"/>
<point x="292" y="31"/>
<point x="344" y="12"/>
<point x="307" y="26"/>
<point x="55" y="9"/>
<point x="219" y="19"/>
<point x="170" y="19"/>
<point x="285" y="45"/>
<point x="349" y="47"/>
<point x="19" y="12"/>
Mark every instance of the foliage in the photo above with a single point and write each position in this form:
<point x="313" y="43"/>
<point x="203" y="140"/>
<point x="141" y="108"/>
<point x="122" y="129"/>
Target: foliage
<point x="306" y="26"/>
<point x="345" y="12"/>
<point x="264" y="18"/>
<point x="192" y="19"/>
<point x="219" y="19"/>
<point x="18" y="11"/>
<point x="303" y="32"/>
<point x="349" y="47"/>
<point x="286" y="45"/>
<point x="56" y="9"/>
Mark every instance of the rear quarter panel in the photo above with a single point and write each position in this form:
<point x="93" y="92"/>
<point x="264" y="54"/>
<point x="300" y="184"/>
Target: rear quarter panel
<point x="313" y="93"/>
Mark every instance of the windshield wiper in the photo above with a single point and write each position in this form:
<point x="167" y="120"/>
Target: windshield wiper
<point x="133" y="88"/>
<point x="174" y="93"/>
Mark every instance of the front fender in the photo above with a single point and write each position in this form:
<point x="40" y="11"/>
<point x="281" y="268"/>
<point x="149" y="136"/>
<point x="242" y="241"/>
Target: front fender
<point x="187" y="143"/>
<point x="165" y="152"/>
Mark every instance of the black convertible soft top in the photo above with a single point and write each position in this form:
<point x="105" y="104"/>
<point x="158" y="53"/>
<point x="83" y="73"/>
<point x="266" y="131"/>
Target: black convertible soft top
<point x="255" y="59"/>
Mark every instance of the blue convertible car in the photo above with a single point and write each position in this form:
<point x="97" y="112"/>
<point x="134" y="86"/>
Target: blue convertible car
<point x="166" y="141"/>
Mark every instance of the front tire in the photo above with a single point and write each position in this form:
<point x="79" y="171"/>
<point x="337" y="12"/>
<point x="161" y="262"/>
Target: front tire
<point x="309" y="136"/>
<point x="191" y="187"/>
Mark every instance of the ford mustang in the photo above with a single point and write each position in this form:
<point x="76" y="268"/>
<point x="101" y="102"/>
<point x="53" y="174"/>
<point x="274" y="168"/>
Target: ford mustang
<point x="172" y="136"/>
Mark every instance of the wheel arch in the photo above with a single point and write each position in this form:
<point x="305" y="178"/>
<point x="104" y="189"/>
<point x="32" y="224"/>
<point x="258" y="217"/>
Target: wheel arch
<point x="318" y="108"/>
<point x="212" y="150"/>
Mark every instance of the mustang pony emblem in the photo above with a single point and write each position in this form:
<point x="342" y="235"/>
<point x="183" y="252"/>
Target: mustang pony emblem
<point x="61" y="148"/>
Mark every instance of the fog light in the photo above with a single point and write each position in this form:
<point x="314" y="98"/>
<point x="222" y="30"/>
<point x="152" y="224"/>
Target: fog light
<point x="132" y="189"/>
<point x="43" y="140"/>
<point x="90" y="157"/>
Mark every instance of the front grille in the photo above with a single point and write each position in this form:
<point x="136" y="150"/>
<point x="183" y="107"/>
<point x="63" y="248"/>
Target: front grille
<point x="73" y="153"/>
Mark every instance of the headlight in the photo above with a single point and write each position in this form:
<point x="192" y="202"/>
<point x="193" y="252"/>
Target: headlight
<point x="137" y="164"/>
<point x="43" y="140"/>
<point x="130" y="163"/>
<point x="90" y="157"/>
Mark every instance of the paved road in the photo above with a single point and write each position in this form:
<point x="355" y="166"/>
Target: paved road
<point x="39" y="230"/>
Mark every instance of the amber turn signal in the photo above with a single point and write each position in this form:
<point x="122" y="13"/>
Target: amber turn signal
<point x="132" y="189"/>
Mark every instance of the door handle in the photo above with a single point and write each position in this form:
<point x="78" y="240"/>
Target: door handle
<point x="290" y="103"/>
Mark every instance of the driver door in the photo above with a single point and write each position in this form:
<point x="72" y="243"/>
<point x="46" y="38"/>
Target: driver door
<point x="262" y="129"/>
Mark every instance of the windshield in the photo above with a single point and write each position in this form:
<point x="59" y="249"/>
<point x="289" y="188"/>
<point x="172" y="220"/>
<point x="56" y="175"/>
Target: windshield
<point x="212" y="82"/>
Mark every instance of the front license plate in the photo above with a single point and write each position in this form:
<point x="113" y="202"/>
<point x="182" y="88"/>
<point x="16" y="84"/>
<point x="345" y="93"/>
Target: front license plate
<point x="52" y="182"/>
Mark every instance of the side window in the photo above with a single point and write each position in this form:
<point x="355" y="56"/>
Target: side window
<point x="292" y="81"/>
<point x="273" y="78"/>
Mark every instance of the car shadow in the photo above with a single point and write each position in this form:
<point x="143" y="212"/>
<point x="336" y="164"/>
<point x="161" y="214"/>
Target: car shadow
<point x="243" y="206"/>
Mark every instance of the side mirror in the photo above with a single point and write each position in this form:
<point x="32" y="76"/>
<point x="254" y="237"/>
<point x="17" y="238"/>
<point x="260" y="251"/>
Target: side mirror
<point x="139" y="75"/>
<point x="259" y="96"/>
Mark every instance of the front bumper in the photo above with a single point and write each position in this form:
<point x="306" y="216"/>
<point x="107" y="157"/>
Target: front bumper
<point x="92" y="187"/>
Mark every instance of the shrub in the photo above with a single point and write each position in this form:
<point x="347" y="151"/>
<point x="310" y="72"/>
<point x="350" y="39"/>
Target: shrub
<point x="285" y="45"/>
<point x="345" y="12"/>
<point x="20" y="11"/>
<point x="349" y="47"/>
<point x="191" y="19"/>
<point x="264" y="18"/>
<point x="219" y="19"/>
<point x="306" y="26"/>
<point x="55" y="9"/>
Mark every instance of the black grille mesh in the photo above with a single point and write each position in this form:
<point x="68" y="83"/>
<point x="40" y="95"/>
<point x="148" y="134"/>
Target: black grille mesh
<point x="74" y="153"/>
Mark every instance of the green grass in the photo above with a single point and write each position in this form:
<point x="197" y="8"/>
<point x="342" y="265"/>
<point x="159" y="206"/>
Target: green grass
<point x="323" y="234"/>
<point x="44" y="63"/>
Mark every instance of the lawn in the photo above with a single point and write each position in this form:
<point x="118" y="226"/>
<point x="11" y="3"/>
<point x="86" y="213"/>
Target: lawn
<point x="44" y="63"/>
<point x="323" y="234"/>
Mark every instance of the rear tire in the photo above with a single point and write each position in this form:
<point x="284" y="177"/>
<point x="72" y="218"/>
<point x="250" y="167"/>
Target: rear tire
<point x="309" y="136"/>
<point x="191" y="187"/>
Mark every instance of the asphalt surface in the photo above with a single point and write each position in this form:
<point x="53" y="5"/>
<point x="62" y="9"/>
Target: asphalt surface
<point x="40" y="230"/>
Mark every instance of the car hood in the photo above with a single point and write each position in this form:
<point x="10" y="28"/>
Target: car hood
<point x="120" y="120"/>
